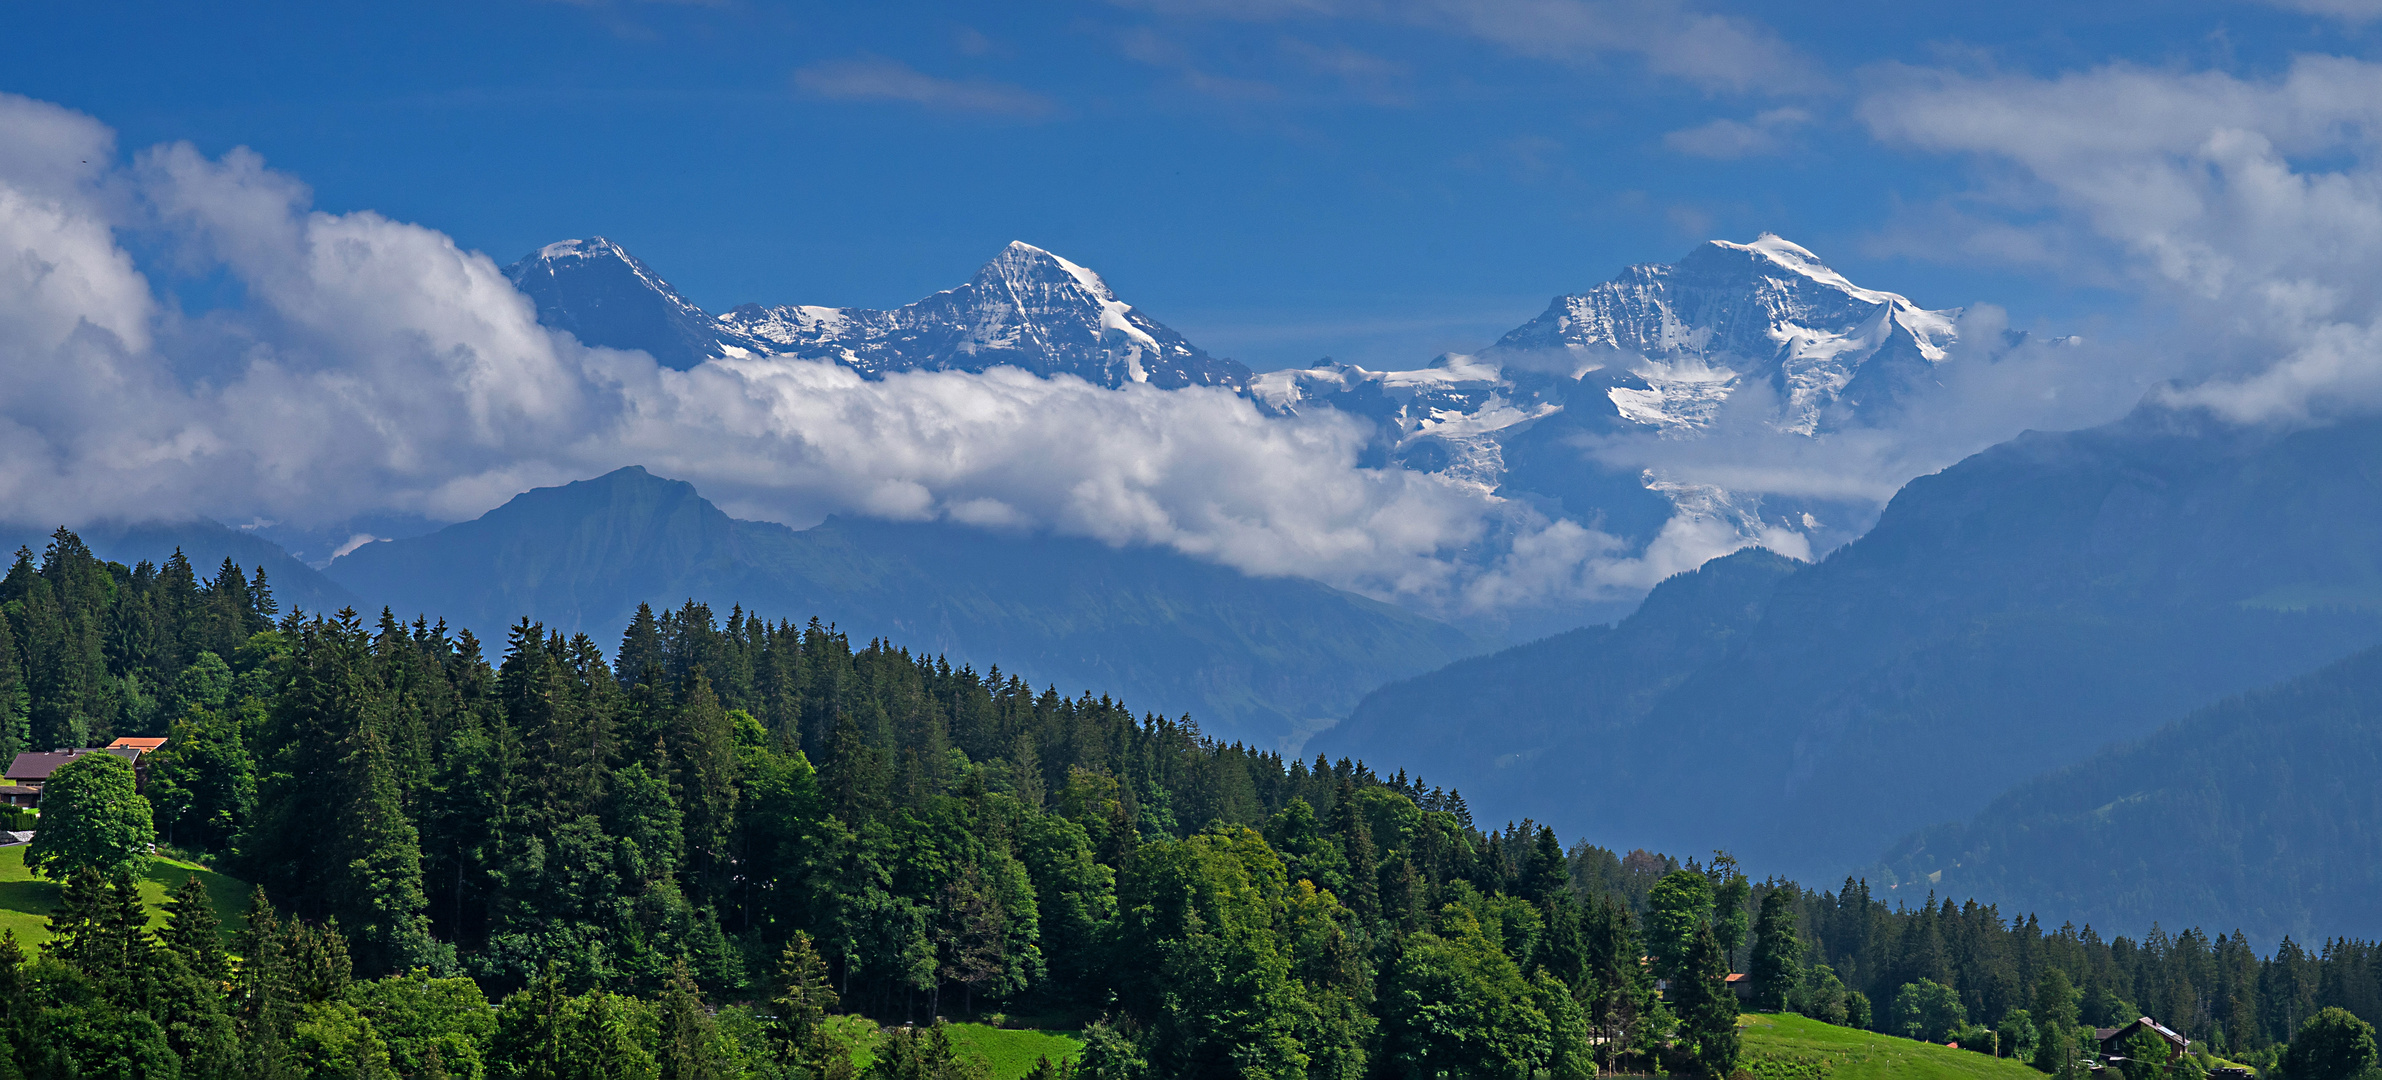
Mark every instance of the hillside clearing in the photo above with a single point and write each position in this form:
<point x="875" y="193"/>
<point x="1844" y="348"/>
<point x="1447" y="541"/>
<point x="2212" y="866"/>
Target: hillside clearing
<point x="1785" y="1046"/>
<point x="26" y="901"/>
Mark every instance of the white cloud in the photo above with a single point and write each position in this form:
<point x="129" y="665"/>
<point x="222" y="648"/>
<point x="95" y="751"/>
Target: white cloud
<point x="377" y="368"/>
<point x="2252" y="208"/>
<point x="875" y="78"/>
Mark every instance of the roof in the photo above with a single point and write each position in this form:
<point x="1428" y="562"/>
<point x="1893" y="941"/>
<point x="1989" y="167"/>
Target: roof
<point x="37" y="766"/>
<point x="1738" y="977"/>
<point x="2106" y="1035"/>
<point x="143" y="745"/>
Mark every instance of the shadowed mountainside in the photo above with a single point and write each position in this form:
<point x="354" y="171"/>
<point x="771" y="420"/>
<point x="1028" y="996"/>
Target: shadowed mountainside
<point x="1259" y="659"/>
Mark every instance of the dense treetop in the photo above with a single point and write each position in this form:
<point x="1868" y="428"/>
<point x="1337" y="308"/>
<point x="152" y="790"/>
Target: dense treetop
<point x="765" y="816"/>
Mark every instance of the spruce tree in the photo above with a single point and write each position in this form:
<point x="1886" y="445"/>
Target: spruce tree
<point x="1545" y="871"/>
<point x="1355" y="839"/>
<point x="687" y="1032"/>
<point x="16" y="730"/>
<point x="193" y="931"/>
<point x="380" y="893"/>
<point x="1707" y="1008"/>
<point x="1777" y="950"/>
<point x="703" y="748"/>
<point x="804" y="999"/>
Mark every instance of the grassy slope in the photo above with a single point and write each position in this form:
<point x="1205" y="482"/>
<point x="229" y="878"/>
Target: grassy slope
<point x="1012" y="1053"/>
<point x="1784" y="1046"/>
<point x="26" y="901"/>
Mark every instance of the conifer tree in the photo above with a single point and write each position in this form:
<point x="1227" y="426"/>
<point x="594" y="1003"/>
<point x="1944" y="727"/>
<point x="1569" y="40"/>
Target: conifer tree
<point x="1730" y="893"/>
<point x="1355" y="839"/>
<point x="193" y="931"/>
<point x="703" y="748"/>
<point x="1777" y="950"/>
<point x="1545" y="871"/>
<point x="804" y="998"/>
<point x="687" y="1032"/>
<point x="380" y="894"/>
<point x="16" y="728"/>
<point x="1707" y="1008"/>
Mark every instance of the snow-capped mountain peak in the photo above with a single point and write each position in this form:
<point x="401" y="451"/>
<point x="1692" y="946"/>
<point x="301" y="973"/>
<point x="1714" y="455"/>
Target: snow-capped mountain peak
<point x="1693" y="333"/>
<point x="596" y="290"/>
<point x="1027" y="308"/>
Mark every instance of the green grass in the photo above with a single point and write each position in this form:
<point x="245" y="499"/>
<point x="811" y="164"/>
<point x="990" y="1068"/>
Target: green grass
<point x="26" y="901"/>
<point x="1784" y="1046"/>
<point x="1013" y="1052"/>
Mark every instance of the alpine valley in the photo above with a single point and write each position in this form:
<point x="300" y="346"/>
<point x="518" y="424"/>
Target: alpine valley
<point x="1839" y="695"/>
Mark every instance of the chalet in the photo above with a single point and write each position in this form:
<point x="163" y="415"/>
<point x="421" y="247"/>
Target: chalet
<point x="1739" y="984"/>
<point x="31" y="770"/>
<point x="2113" y="1040"/>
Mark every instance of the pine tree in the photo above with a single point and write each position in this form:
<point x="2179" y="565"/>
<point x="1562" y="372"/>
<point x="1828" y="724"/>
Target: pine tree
<point x="704" y="750"/>
<point x="804" y="998"/>
<point x="193" y="931"/>
<point x="1545" y="871"/>
<point x="640" y="648"/>
<point x="1777" y="950"/>
<point x="687" y="1032"/>
<point x="1707" y="1008"/>
<point x="16" y="730"/>
<point x="1355" y="839"/>
<point x="380" y="894"/>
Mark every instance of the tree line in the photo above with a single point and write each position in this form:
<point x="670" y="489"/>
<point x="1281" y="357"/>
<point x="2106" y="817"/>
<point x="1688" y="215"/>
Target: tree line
<point x="691" y="852"/>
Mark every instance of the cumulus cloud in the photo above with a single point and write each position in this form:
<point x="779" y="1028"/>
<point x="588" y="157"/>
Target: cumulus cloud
<point x="2250" y="207"/>
<point x="875" y="78"/>
<point x="377" y="368"/>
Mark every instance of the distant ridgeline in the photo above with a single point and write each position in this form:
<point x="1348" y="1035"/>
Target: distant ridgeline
<point x="764" y="816"/>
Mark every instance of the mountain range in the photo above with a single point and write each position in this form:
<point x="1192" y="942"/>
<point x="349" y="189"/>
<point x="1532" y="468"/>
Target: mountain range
<point x="2006" y="617"/>
<point x="1656" y="351"/>
<point x="2257" y="813"/>
<point x="1027" y="308"/>
<point x="2013" y="680"/>
<point x="1263" y="661"/>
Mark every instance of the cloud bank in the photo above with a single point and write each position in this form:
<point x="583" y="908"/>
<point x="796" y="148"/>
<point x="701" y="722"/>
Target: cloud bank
<point x="372" y="366"/>
<point x="2249" y="209"/>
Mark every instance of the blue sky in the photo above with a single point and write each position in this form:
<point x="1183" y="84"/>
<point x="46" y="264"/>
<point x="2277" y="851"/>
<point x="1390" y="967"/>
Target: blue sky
<point x="1280" y="179"/>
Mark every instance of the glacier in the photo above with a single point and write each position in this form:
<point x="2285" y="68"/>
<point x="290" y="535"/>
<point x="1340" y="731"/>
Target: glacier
<point x="1762" y="333"/>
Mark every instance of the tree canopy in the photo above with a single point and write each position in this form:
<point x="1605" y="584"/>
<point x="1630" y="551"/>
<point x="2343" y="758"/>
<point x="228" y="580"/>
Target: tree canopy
<point x="93" y="819"/>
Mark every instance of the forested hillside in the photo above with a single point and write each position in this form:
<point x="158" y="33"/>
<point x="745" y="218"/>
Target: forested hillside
<point x="2009" y="615"/>
<point x="679" y="857"/>
<point x="1259" y="660"/>
<point x="2259" y="812"/>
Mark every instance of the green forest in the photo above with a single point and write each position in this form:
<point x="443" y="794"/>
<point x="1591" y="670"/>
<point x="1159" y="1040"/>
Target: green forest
<point x="704" y="852"/>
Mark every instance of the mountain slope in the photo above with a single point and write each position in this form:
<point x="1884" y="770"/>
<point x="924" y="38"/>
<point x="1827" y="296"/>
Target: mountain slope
<point x="2258" y="813"/>
<point x="2017" y="610"/>
<point x="1655" y="351"/>
<point x="1264" y="660"/>
<point x="1523" y="702"/>
<point x="1026" y="308"/>
<point x="604" y="296"/>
